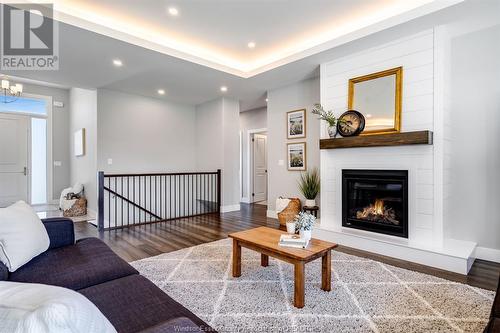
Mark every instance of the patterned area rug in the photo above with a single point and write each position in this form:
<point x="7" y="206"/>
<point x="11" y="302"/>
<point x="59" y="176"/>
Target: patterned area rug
<point x="366" y="296"/>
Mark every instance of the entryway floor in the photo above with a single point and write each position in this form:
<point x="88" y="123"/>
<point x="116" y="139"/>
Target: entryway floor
<point x="49" y="210"/>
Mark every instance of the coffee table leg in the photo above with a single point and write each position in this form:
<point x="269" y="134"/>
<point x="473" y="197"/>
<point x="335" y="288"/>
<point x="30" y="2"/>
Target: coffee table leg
<point x="236" y="258"/>
<point x="326" y="271"/>
<point x="298" y="297"/>
<point x="264" y="260"/>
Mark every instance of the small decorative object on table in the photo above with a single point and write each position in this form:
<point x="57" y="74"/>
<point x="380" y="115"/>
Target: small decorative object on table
<point x="290" y="227"/>
<point x="293" y="241"/>
<point x="309" y="185"/>
<point x="327" y="116"/>
<point x="304" y="223"/>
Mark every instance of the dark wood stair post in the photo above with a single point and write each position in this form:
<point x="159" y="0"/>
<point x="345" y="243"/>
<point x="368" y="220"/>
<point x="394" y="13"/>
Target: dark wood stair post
<point x="100" y="201"/>
<point x="219" y="190"/>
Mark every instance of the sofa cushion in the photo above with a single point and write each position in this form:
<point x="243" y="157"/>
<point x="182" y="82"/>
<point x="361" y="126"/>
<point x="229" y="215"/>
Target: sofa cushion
<point x="32" y="307"/>
<point x="61" y="231"/>
<point x="134" y="303"/>
<point x="22" y="235"/>
<point x="78" y="266"/>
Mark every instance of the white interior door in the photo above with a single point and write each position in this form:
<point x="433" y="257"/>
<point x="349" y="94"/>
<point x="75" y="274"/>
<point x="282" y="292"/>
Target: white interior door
<point x="260" y="167"/>
<point x="13" y="159"/>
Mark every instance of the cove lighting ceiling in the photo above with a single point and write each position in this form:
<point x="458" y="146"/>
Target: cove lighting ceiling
<point x="222" y="34"/>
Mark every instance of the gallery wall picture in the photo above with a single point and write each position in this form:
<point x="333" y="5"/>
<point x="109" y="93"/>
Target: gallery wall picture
<point x="297" y="157"/>
<point x="79" y="142"/>
<point x="296" y="124"/>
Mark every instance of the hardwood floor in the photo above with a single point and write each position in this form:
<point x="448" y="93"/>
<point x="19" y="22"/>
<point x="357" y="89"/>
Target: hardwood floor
<point x="153" y="239"/>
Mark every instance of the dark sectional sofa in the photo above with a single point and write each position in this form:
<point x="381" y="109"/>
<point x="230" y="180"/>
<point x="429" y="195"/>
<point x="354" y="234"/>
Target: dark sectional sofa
<point x="131" y="302"/>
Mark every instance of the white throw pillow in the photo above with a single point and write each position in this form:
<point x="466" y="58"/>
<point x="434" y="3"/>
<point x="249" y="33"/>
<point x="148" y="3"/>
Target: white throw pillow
<point x="22" y="235"/>
<point x="39" y="308"/>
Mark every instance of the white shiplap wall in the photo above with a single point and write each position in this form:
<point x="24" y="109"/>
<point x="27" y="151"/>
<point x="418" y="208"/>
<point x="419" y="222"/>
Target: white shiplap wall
<point x="416" y="54"/>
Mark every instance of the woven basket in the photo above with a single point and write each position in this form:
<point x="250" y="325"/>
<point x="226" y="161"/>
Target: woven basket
<point x="79" y="208"/>
<point x="289" y="213"/>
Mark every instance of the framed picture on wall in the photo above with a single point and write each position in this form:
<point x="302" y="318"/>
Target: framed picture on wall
<point x="296" y="124"/>
<point x="79" y="142"/>
<point x="296" y="153"/>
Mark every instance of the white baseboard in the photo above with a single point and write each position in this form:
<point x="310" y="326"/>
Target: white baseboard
<point x="230" y="208"/>
<point x="444" y="258"/>
<point x="245" y="200"/>
<point x="92" y="213"/>
<point x="272" y="214"/>
<point x="489" y="254"/>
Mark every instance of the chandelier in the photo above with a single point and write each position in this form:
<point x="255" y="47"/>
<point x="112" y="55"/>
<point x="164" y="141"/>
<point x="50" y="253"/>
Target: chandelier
<point x="11" y="92"/>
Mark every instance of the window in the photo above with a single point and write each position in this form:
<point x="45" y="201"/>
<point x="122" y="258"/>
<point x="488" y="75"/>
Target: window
<point x="38" y="160"/>
<point x="26" y="105"/>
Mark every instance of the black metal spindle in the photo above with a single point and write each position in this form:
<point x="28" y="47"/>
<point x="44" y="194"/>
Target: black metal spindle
<point x="168" y="196"/>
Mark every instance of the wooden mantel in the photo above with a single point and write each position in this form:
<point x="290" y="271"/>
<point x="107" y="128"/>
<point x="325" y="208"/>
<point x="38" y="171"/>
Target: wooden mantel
<point x="379" y="140"/>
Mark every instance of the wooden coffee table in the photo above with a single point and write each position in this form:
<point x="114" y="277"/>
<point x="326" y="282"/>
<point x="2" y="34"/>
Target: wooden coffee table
<point x="265" y="240"/>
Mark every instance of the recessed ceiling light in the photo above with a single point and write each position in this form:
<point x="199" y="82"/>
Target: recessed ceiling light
<point x="173" y="11"/>
<point x="117" y="62"/>
<point x="161" y="91"/>
<point x="251" y="45"/>
<point x="368" y="115"/>
<point x="267" y="100"/>
<point x="223" y="88"/>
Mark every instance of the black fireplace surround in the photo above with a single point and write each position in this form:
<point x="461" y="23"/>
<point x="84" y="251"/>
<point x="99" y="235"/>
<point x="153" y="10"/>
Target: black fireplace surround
<point x="376" y="200"/>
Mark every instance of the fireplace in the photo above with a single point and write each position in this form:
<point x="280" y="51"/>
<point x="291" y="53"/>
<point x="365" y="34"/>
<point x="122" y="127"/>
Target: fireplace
<point x="376" y="200"/>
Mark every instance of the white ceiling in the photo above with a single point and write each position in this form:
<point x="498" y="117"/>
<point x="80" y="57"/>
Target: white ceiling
<point x="215" y="33"/>
<point x="221" y="28"/>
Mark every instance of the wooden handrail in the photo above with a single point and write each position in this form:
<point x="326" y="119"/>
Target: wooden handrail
<point x="159" y="174"/>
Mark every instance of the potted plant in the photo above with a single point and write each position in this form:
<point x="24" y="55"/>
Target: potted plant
<point x="327" y="116"/>
<point x="304" y="223"/>
<point x="309" y="185"/>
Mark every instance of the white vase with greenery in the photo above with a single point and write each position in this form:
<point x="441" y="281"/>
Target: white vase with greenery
<point x="304" y="223"/>
<point x="327" y="116"/>
<point x="309" y="186"/>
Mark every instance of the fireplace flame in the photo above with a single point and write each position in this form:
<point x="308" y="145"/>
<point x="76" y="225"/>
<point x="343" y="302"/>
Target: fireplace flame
<point x="378" y="207"/>
<point x="378" y="212"/>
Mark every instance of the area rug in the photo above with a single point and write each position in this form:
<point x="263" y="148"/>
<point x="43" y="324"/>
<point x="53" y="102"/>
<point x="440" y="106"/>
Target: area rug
<point x="366" y="296"/>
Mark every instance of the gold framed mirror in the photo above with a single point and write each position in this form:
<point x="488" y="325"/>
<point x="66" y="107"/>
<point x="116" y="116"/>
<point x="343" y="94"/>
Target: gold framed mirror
<point x="378" y="97"/>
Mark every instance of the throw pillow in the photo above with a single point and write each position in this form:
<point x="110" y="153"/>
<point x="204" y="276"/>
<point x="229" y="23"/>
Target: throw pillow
<point x="39" y="308"/>
<point x="22" y="235"/>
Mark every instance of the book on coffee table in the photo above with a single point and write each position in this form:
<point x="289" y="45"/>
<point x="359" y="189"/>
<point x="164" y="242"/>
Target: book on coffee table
<point x="293" y="241"/>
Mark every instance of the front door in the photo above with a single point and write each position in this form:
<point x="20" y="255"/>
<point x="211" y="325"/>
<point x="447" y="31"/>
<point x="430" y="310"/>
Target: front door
<point x="13" y="159"/>
<point x="260" y="167"/>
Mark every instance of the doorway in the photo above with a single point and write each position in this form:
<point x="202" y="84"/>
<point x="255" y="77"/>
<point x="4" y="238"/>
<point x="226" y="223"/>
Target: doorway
<point x="26" y="150"/>
<point x="258" y="168"/>
<point x="13" y="159"/>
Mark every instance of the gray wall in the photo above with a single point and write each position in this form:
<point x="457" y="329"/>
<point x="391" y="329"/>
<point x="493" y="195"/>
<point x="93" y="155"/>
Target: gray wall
<point x="231" y="169"/>
<point x="60" y="135"/>
<point x="142" y="134"/>
<point x="209" y="139"/>
<point x="249" y="120"/>
<point x="83" y="114"/>
<point x="302" y="95"/>
<point x="217" y="145"/>
<point x="475" y="147"/>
